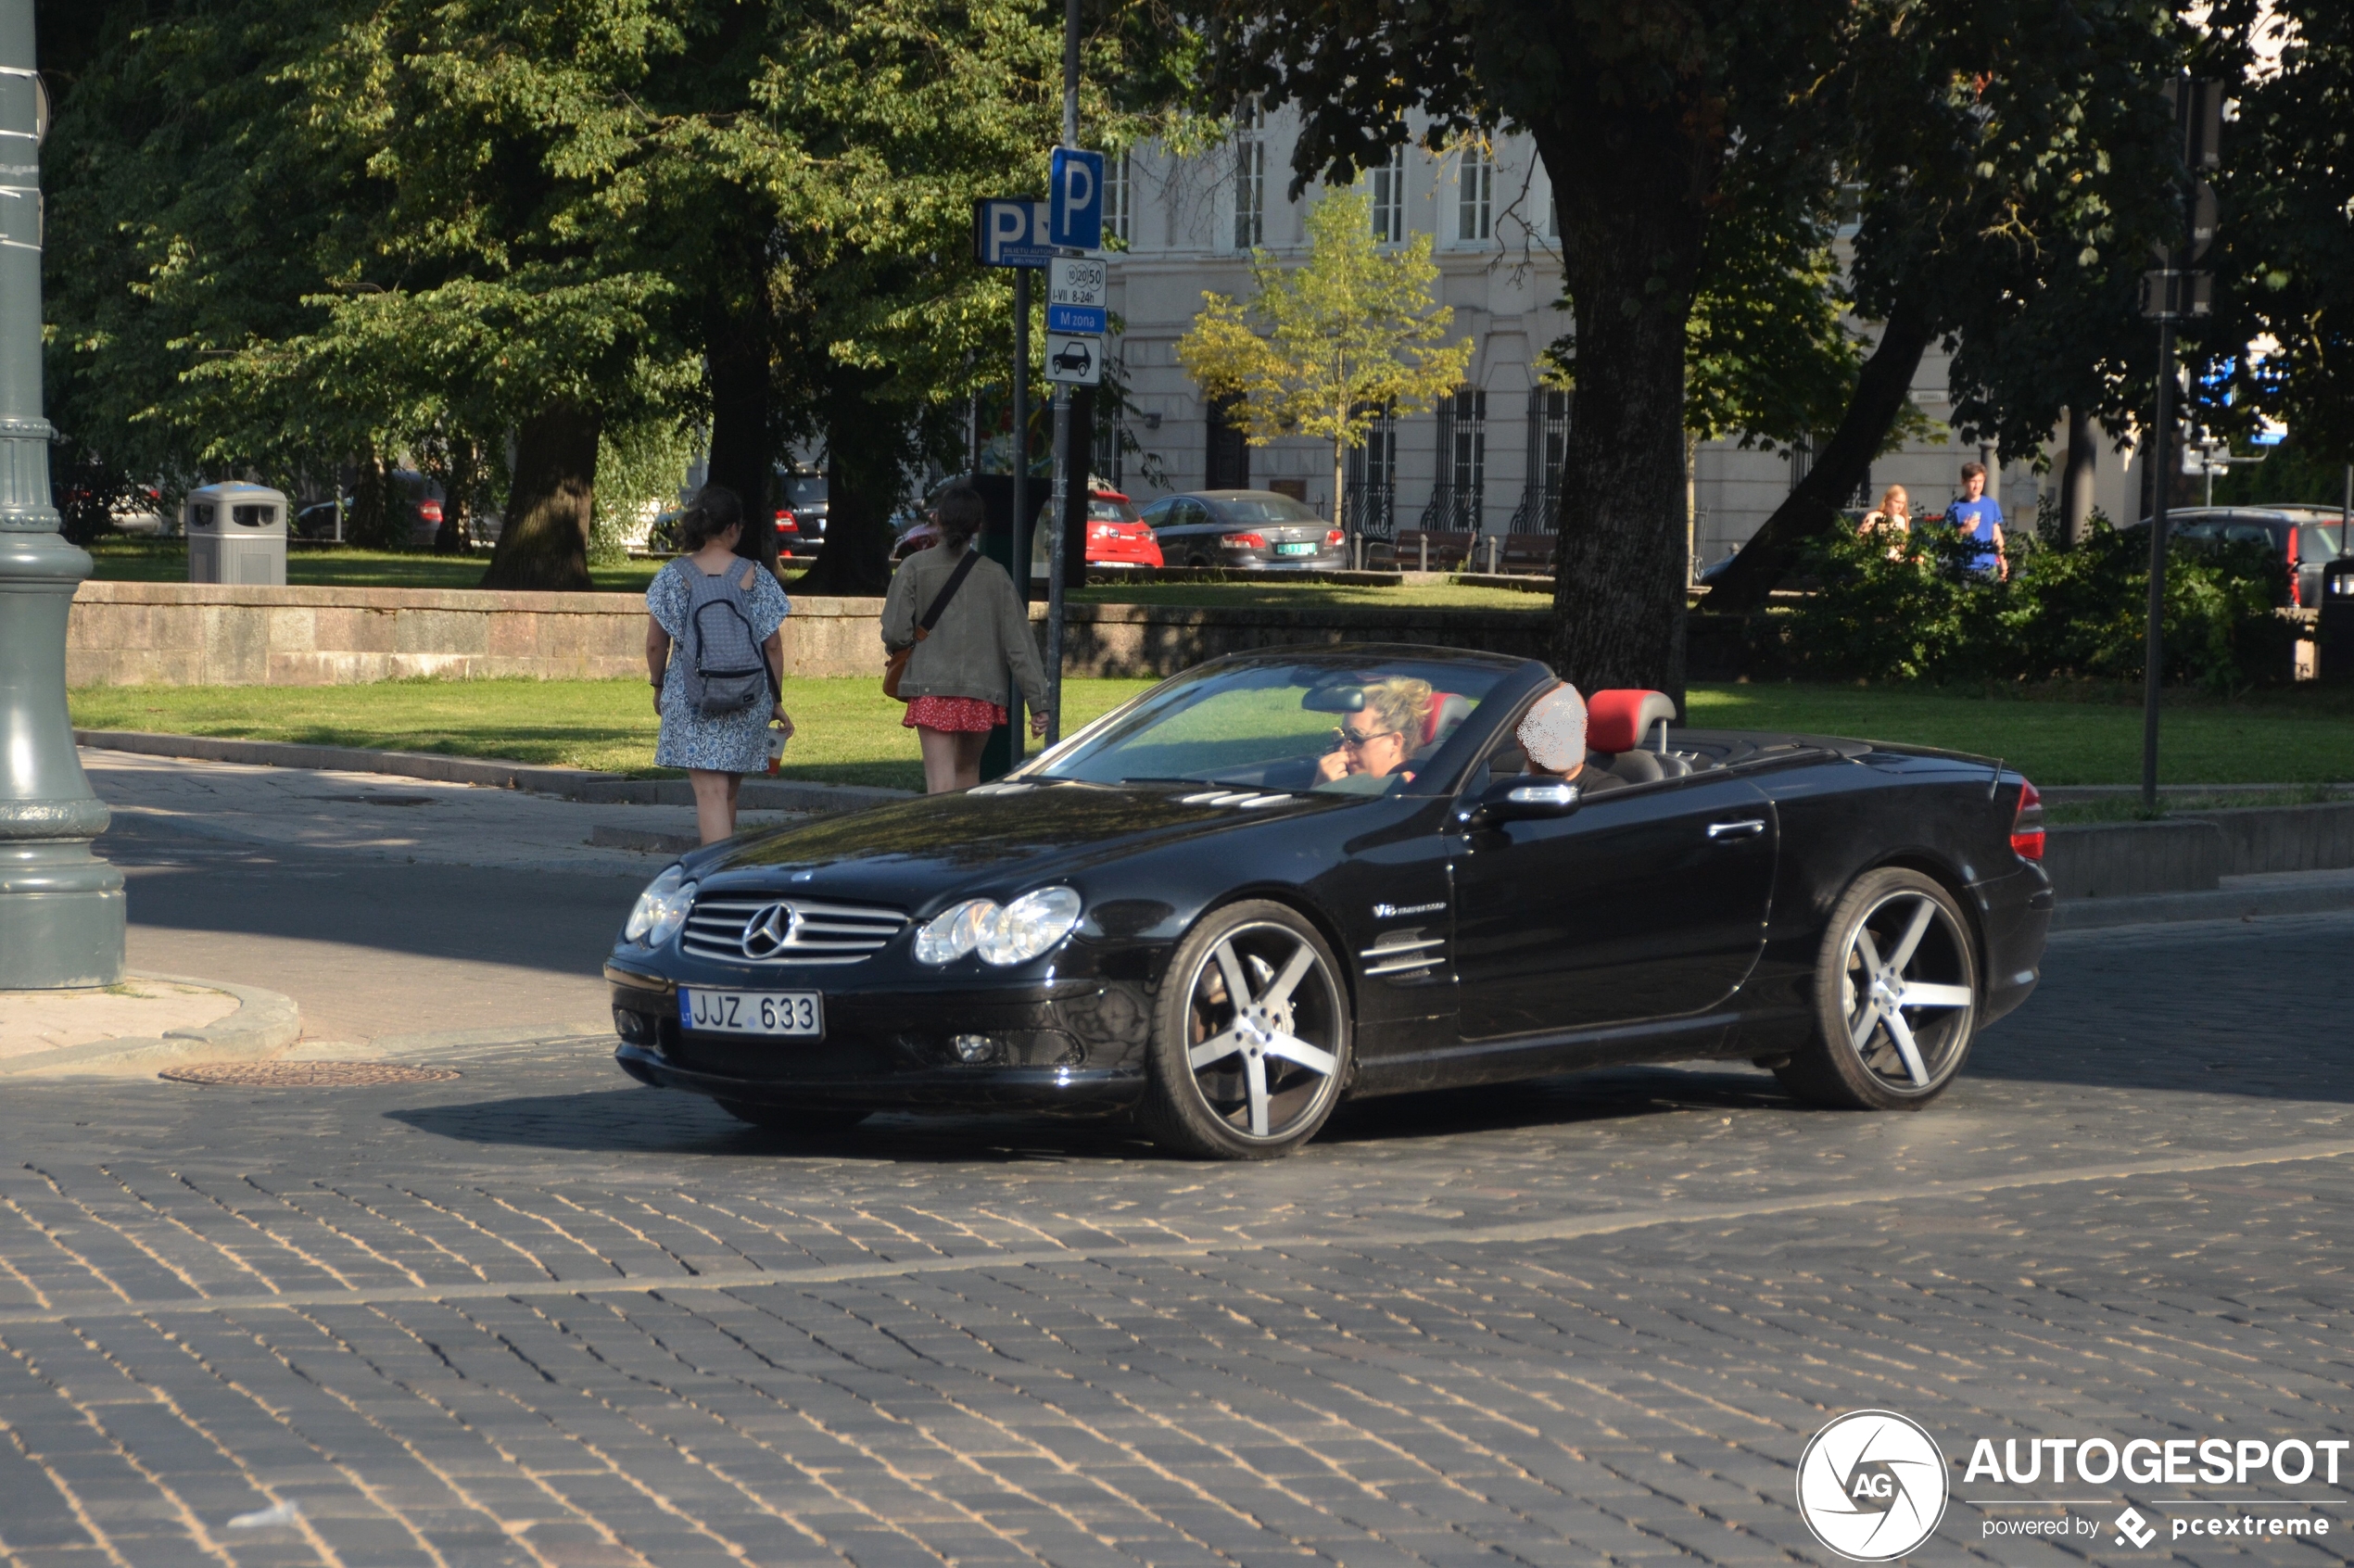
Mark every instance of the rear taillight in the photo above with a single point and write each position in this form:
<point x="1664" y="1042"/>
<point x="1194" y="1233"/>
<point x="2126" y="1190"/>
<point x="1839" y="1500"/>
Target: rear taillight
<point x="430" y="510"/>
<point x="1335" y="538"/>
<point x="1243" y="541"/>
<point x="787" y="522"/>
<point x="2027" y="826"/>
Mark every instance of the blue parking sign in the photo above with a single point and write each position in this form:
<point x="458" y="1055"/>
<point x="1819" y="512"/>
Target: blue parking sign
<point x="1011" y="232"/>
<point x="1075" y="200"/>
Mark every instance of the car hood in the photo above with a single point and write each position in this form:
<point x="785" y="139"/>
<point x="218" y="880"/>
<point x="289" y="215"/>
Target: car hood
<point x="916" y="853"/>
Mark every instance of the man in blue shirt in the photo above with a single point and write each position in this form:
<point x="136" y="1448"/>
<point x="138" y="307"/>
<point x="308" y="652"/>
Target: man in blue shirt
<point x="1981" y="516"/>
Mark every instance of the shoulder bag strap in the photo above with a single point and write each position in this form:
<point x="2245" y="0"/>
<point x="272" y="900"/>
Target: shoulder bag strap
<point x="947" y="591"/>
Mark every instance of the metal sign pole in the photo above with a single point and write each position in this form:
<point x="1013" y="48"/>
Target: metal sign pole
<point x="61" y="908"/>
<point x="1022" y="524"/>
<point x="2154" y="626"/>
<point x="1058" y="510"/>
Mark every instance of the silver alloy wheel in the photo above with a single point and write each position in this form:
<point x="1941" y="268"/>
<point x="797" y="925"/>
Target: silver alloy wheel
<point x="1263" y="1019"/>
<point x="1905" y="991"/>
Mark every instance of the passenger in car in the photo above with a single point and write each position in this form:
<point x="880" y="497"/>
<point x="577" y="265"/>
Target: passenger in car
<point x="1371" y="747"/>
<point x="1553" y="739"/>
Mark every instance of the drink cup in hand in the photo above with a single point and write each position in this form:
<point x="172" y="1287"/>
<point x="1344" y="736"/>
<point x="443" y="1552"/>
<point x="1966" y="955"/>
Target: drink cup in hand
<point x="775" y="750"/>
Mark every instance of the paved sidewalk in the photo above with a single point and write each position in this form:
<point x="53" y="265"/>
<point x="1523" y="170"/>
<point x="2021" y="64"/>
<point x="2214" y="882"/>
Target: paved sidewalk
<point x="34" y="1021"/>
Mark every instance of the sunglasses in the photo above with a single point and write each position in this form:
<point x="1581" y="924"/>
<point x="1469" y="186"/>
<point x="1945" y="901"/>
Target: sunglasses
<point x="1349" y="740"/>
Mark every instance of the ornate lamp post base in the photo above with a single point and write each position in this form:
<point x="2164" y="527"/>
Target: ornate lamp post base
<point x="61" y="908"/>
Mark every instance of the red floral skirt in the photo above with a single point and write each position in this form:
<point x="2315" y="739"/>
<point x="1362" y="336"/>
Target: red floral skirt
<point x="961" y="715"/>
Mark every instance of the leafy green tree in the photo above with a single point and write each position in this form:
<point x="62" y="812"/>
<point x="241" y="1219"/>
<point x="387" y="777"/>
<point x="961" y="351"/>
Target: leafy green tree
<point x="2011" y="167"/>
<point x="2283" y="257"/>
<point x="1346" y="335"/>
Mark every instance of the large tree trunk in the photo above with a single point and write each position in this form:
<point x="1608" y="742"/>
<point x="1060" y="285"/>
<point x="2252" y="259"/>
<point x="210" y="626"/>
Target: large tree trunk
<point x="544" y="543"/>
<point x="738" y="331"/>
<point x="1631" y="189"/>
<point x="866" y="443"/>
<point x="1813" y="507"/>
<point x="2075" y="482"/>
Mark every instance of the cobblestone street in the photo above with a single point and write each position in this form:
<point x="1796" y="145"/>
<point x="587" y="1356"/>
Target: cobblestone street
<point x="536" y="1314"/>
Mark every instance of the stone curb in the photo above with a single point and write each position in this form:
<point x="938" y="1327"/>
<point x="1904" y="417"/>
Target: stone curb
<point x="565" y="783"/>
<point x="264" y="1022"/>
<point x="2325" y="894"/>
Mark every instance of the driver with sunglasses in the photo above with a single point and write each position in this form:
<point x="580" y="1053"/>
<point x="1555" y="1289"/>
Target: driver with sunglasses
<point x="1371" y="747"/>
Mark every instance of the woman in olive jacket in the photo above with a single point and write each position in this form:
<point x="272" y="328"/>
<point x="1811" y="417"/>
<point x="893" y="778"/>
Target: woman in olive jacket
<point x="958" y="676"/>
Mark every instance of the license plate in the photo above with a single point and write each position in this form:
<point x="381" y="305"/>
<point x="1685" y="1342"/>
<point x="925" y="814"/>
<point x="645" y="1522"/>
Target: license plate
<point x="753" y="1012"/>
<point x="1294" y="549"/>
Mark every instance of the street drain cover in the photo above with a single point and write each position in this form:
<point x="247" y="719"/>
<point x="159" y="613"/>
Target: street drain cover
<point x="303" y="1075"/>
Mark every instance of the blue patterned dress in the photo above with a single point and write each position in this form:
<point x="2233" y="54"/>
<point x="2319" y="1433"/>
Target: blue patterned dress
<point x="730" y="742"/>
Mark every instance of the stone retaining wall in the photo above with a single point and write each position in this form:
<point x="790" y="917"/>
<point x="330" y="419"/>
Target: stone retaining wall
<point x="182" y="633"/>
<point x="187" y="634"/>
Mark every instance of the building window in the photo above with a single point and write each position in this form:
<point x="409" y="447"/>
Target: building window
<point x="1118" y="213"/>
<point x="1226" y="464"/>
<point x="1250" y="178"/>
<point x="1459" y="498"/>
<point x="1389" y="183"/>
<point x="1474" y="195"/>
<point x="1373" y="479"/>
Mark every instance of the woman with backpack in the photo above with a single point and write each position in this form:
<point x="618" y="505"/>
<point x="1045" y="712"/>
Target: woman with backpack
<point x="965" y="636"/>
<point x="715" y="650"/>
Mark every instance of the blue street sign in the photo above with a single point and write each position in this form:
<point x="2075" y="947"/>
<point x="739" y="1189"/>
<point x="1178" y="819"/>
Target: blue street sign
<point x="1075" y="196"/>
<point x="1011" y="232"/>
<point x="1077" y="318"/>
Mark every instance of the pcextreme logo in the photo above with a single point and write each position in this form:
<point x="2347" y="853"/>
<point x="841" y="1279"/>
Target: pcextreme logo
<point x="1872" y="1485"/>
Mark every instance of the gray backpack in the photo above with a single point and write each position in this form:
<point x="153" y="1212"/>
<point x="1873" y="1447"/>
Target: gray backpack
<point x="724" y="670"/>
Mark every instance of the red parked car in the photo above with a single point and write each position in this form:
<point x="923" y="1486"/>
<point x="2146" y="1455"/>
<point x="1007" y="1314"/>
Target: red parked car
<point x="1117" y="535"/>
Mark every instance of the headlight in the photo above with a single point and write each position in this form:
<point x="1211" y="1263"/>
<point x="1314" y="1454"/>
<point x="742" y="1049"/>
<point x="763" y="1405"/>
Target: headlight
<point x="1012" y="934"/>
<point x="1029" y="926"/>
<point x="661" y="909"/>
<point x="954" y="931"/>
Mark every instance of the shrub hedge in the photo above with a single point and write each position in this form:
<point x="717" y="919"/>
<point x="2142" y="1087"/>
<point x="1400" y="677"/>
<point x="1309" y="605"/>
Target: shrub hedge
<point x="1912" y="610"/>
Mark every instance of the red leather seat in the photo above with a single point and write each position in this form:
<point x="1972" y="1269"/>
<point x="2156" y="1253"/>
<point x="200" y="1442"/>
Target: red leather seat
<point x="1622" y="720"/>
<point x="1445" y="711"/>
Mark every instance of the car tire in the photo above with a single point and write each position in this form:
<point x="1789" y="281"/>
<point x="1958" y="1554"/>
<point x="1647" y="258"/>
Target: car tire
<point x="1896" y="997"/>
<point x="809" y="1121"/>
<point x="1253" y="1081"/>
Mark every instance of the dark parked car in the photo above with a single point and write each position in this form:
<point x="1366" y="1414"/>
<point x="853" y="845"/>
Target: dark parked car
<point x="801" y="521"/>
<point x="1251" y="529"/>
<point x="2305" y="537"/>
<point x="1172" y="911"/>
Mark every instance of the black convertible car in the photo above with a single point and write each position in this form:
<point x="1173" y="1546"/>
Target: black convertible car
<point x="1180" y="911"/>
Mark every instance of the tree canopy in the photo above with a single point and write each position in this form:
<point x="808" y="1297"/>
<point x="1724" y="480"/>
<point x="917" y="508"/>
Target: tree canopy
<point x="1348" y="334"/>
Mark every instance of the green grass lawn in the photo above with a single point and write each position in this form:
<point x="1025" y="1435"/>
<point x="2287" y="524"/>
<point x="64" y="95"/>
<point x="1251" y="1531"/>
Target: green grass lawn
<point x="1280" y="595"/>
<point x="846" y="730"/>
<point x="2289" y="736"/>
<point x="849" y="732"/>
<point x="166" y="561"/>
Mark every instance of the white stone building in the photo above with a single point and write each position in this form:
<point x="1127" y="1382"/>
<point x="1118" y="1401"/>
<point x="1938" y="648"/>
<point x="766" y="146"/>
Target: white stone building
<point x="1491" y="459"/>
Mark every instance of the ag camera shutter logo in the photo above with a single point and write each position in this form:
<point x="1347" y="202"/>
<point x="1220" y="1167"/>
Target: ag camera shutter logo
<point x="1872" y="1485"/>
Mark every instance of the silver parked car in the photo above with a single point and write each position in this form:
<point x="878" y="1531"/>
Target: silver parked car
<point x="1250" y="530"/>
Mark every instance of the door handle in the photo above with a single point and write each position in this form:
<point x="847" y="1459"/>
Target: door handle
<point x="1747" y="828"/>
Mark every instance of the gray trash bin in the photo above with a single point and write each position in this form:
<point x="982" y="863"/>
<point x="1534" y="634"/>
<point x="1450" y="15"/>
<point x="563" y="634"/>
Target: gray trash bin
<point x="237" y="534"/>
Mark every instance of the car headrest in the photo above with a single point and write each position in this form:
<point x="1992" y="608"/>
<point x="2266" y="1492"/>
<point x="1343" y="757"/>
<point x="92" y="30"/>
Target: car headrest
<point x="1617" y="721"/>
<point x="1447" y="709"/>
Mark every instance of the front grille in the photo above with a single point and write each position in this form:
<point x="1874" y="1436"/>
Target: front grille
<point x="739" y="928"/>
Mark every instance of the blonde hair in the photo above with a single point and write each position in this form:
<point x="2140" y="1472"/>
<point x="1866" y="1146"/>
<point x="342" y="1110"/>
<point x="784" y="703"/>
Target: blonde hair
<point x="1400" y="702"/>
<point x="1894" y="503"/>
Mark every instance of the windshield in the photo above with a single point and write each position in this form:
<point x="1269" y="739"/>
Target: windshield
<point x="1359" y="728"/>
<point x="1100" y="508"/>
<point x="1264" y="509"/>
<point x="806" y="489"/>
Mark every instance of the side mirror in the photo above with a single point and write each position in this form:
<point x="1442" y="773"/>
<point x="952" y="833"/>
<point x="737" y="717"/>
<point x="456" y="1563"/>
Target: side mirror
<point x="1523" y="798"/>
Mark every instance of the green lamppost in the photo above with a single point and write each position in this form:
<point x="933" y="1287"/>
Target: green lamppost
<point x="60" y="907"/>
